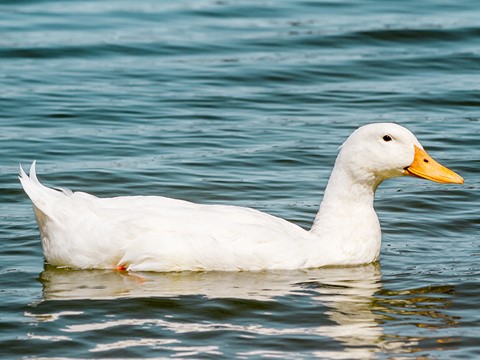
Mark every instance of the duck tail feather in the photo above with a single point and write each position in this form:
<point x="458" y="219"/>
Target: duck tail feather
<point x="36" y="191"/>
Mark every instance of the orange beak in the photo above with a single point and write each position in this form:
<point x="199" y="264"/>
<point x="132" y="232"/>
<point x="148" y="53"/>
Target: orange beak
<point x="425" y="167"/>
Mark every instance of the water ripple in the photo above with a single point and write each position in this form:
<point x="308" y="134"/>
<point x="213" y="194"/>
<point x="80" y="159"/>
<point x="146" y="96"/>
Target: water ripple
<point x="241" y="103"/>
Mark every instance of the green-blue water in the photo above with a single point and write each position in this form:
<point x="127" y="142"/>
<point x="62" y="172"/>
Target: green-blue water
<point x="245" y="103"/>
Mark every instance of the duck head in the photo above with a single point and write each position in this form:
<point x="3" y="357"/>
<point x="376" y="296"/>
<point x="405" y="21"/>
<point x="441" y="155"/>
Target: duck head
<point x="386" y="150"/>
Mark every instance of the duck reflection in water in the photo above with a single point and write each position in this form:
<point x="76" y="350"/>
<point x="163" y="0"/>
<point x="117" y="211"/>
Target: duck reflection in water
<point x="351" y="306"/>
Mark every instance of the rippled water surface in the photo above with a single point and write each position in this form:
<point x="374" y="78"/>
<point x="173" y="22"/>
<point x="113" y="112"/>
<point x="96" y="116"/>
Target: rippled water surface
<point x="245" y="103"/>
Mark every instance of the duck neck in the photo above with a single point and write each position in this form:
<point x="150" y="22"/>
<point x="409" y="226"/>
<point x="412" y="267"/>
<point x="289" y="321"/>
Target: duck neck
<point x="346" y="223"/>
<point x="345" y="192"/>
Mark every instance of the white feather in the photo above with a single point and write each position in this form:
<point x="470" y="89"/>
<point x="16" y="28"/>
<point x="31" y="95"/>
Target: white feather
<point x="153" y="233"/>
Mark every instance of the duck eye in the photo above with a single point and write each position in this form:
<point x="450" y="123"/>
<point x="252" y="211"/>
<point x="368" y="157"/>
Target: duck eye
<point x="387" y="138"/>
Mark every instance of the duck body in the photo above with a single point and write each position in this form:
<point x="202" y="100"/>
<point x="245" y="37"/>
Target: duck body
<point x="154" y="233"/>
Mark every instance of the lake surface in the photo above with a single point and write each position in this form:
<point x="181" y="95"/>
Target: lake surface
<point x="244" y="103"/>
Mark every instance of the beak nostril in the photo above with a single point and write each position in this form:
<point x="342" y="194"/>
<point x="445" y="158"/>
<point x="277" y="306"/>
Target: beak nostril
<point x="425" y="160"/>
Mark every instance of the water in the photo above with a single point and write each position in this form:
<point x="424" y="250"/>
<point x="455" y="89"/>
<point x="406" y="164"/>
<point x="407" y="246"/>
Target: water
<point x="241" y="103"/>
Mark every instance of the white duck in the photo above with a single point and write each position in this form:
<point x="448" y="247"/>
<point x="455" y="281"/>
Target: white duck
<point x="152" y="233"/>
